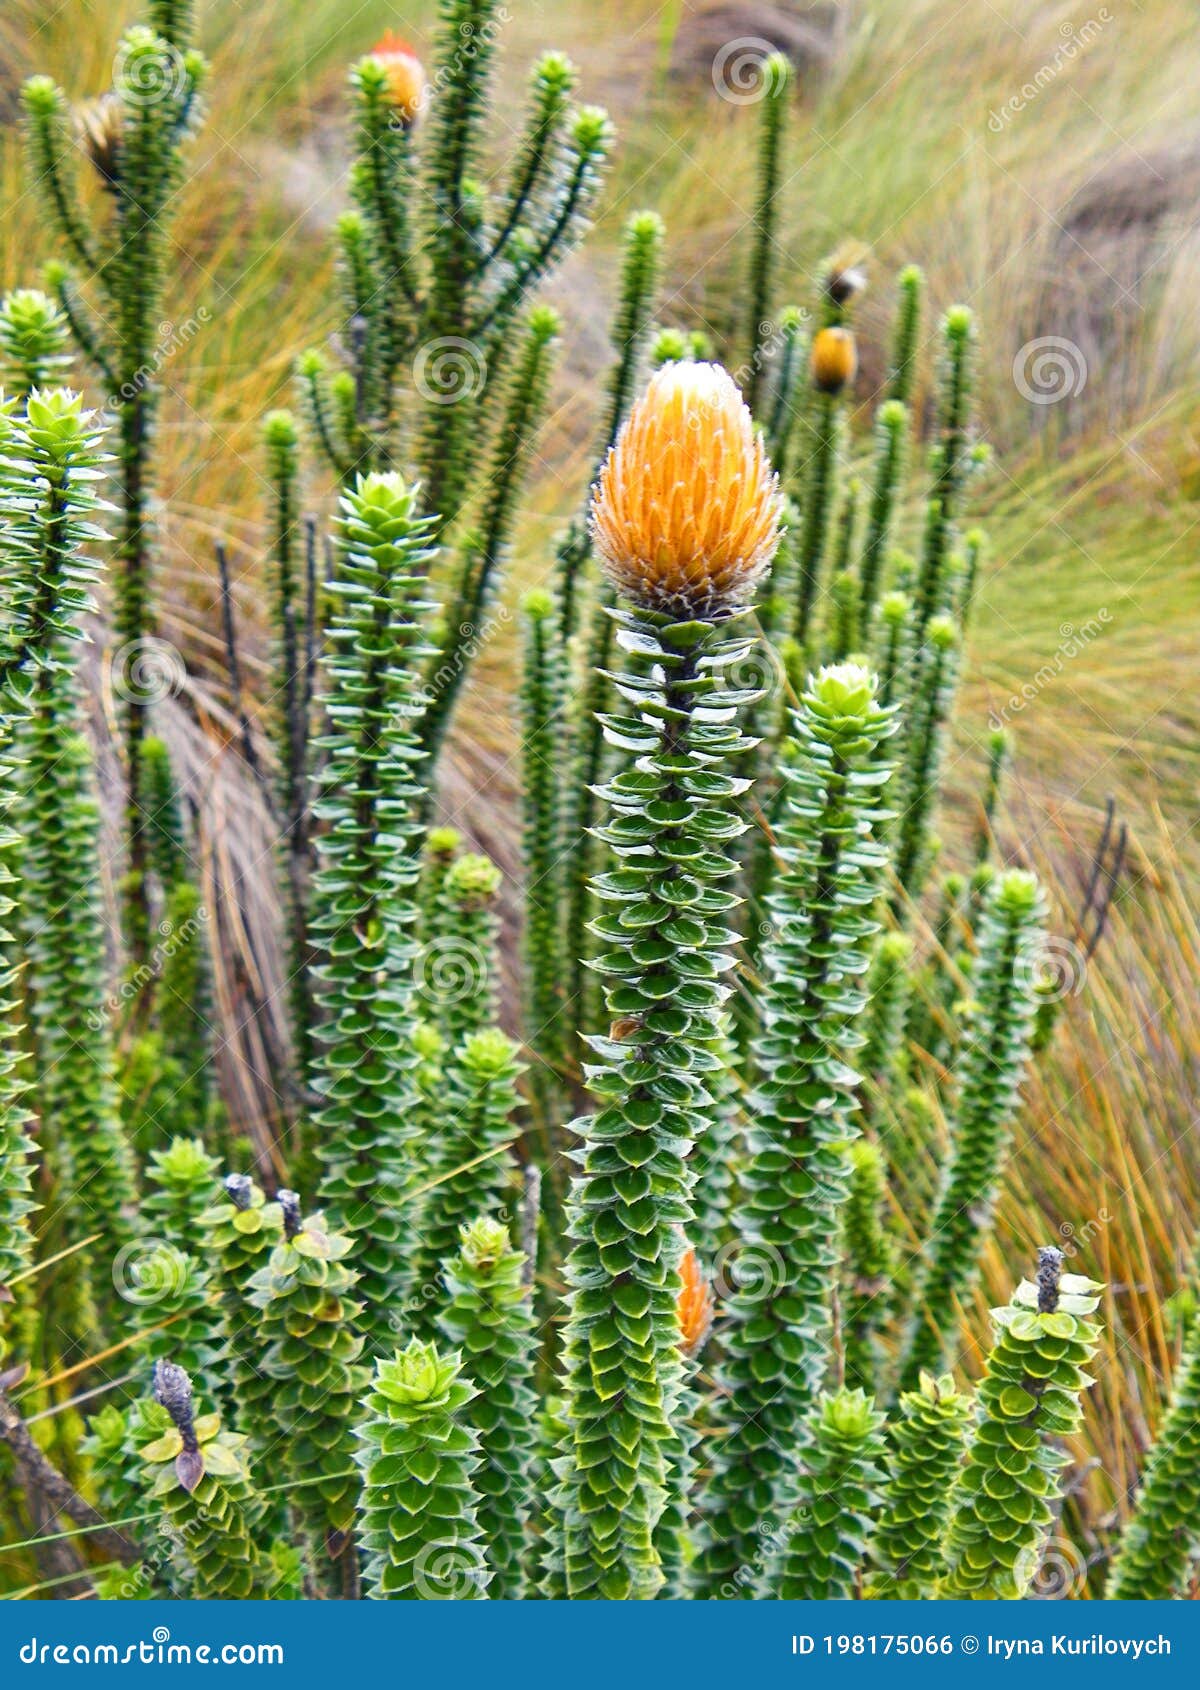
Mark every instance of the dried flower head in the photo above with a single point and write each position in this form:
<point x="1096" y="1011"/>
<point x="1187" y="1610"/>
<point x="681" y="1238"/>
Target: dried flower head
<point x="845" y="274"/>
<point x="834" y="360"/>
<point x="98" y="124"/>
<point x="694" y="1305"/>
<point x="686" y="513"/>
<point x="405" y="74"/>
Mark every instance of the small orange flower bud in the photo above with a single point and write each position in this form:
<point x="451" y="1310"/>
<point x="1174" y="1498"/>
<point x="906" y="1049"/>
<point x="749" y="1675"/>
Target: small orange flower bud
<point x="686" y="513"/>
<point x="406" y="75"/>
<point x="834" y="360"/>
<point x="694" y="1305"/>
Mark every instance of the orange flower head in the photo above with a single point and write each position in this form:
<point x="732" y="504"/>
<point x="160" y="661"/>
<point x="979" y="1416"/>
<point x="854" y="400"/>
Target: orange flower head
<point x="686" y="512"/>
<point x="694" y="1305"/>
<point x="834" y="360"/>
<point x="405" y="73"/>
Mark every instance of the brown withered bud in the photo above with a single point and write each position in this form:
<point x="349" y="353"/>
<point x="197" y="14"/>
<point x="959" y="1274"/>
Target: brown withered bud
<point x="98" y="125"/>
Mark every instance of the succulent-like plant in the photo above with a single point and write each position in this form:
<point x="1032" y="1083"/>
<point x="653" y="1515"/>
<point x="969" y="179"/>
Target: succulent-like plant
<point x="241" y="1232"/>
<point x="992" y="1069"/>
<point x="929" y="708"/>
<point x="925" y="1450"/>
<point x="1029" y="1400"/>
<point x="33" y="341"/>
<point x="310" y="1352"/>
<point x="796" y="1176"/>
<point x="869" y="1261"/>
<point x="687" y="565"/>
<point x="891" y="434"/>
<point x="489" y="1316"/>
<point x="776" y="74"/>
<point x="179" y="1312"/>
<point x="542" y="748"/>
<point x="363" y="902"/>
<point x="483" y="549"/>
<point x="824" y="1544"/>
<point x="911" y="285"/>
<point x="887" y="989"/>
<point x="1158" y="1549"/>
<point x="196" y="1473"/>
<point x="469" y="1164"/>
<point x="136" y="145"/>
<point x="418" y="1518"/>
<point x="694" y="1311"/>
<point x="459" y="958"/>
<point x="54" y="448"/>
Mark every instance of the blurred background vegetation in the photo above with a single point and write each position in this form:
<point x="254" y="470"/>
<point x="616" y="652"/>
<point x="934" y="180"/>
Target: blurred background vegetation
<point x="1042" y="163"/>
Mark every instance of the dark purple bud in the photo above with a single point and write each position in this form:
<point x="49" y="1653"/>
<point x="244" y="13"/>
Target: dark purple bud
<point x="173" y="1389"/>
<point x="1050" y="1262"/>
<point x="289" y="1202"/>
<point x="240" y="1188"/>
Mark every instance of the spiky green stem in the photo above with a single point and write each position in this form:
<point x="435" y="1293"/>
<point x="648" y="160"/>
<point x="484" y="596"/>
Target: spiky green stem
<point x="362" y="898"/>
<point x="826" y="1539"/>
<point x="926" y="1439"/>
<point x="868" y="1265"/>
<point x="663" y="909"/>
<point x="891" y="433"/>
<point x="542" y="750"/>
<point x="460" y="957"/>
<point x="795" y="1179"/>
<point x="907" y="334"/>
<point x="418" y="1518"/>
<point x="490" y="1318"/>
<point x="310" y="1352"/>
<point x="992" y="1069"/>
<point x="763" y="242"/>
<point x="1029" y="1400"/>
<point x="196" y="1473"/>
<point x="469" y="1168"/>
<point x="925" y="745"/>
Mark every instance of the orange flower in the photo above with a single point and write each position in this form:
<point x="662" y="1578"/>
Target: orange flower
<point x="694" y="1305"/>
<point x="686" y="512"/>
<point x="406" y="75"/>
<point x="834" y="360"/>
